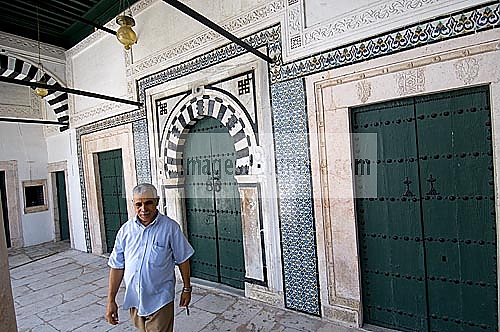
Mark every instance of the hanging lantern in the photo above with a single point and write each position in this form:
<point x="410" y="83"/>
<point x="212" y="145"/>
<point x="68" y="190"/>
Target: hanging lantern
<point x="125" y="34"/>
<point x="41" y="92"/>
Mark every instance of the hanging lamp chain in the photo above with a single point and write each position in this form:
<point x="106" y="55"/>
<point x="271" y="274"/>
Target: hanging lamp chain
<point x="124" y="5"/>
<point x="40" y="91"/>
<point x="39" y="44"/>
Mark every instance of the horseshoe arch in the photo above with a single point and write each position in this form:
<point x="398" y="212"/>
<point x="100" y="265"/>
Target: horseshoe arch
<point x="220" y="106"/>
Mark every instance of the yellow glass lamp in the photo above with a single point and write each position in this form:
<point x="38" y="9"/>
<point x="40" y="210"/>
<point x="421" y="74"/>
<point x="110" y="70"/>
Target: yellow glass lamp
<point x="125" y="34"/>
<point x="41" y="92"/>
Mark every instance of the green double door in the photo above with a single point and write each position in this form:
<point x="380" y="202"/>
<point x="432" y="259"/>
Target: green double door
<point x="213" y="204"/>
<point x="113" y="194"/>
<point x="428" y="240"/>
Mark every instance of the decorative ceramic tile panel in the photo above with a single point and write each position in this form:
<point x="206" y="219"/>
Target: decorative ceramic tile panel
<point x="114" y="121"/>
<point x="83" y="192"/>
<point x="293" y="168"/>
<point x="141" y="151"/>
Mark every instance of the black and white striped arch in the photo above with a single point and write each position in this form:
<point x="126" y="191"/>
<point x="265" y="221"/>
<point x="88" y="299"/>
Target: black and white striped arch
<point x="213" y="104"/>
<point x="19" y="69"/>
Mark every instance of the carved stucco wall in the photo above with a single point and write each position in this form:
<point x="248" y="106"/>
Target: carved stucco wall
<point x="53" y="57"/>
<point x="314" y="26"/>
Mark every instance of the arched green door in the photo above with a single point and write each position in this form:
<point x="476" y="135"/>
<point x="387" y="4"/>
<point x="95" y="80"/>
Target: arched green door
<point x="213" y="204"/>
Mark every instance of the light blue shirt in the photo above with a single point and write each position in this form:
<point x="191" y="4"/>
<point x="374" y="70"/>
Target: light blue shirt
<point x="148" y="255"/>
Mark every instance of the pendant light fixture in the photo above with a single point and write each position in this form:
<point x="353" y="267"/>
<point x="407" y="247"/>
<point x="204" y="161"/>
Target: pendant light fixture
<point x="40" y="74"/>
<point x="125" y="34"/>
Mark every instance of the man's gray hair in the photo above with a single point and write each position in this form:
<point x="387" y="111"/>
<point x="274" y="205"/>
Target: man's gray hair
<point x="145" y="187"/>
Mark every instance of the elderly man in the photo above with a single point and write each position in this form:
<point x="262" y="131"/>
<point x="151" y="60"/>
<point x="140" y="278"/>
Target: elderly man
<point x="147" y="247"/>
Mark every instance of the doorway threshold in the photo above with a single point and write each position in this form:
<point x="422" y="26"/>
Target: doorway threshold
<point x="375" y="328"/>
<point x="225" y="288"/>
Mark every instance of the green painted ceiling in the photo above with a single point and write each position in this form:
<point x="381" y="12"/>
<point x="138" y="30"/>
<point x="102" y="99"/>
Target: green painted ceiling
<point x="61" y="22"/>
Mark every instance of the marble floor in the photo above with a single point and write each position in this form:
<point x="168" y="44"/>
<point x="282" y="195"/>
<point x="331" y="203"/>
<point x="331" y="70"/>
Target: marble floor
<point x="57" y="288"/>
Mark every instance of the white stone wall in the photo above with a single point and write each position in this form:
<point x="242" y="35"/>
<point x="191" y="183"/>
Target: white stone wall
<point x="25" y="144"/>
<point x="453" y="64"/>
<point x="101" y="69"/>
<point x="62" y="156"/>
<point x="74" y="190"/>
<point x="166" y="36"/>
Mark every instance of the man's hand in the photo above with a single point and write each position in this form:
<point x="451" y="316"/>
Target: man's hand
<point x="185" y="299"/>
<point x="115" y="279"/>
<point x="112" y="313"/>
<point x="186" y="274"/>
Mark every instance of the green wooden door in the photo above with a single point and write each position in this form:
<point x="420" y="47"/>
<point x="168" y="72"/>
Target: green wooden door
<point x="5" y="211"/>
<point x="62" y="205"/>
<point x="200" y="207"/>
<point x="114" y="205"/>
<point x="392" y="256"/>
<point x="458" y="204"/>
<point x="427" y="242"/>
<point x="213" y="204"/>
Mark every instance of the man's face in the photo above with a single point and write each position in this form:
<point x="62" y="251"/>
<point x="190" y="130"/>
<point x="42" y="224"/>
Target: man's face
<point x="145" y="207"/>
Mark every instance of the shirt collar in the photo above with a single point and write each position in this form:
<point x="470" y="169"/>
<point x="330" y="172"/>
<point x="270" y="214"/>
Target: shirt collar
<point x="136" y="220"/>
